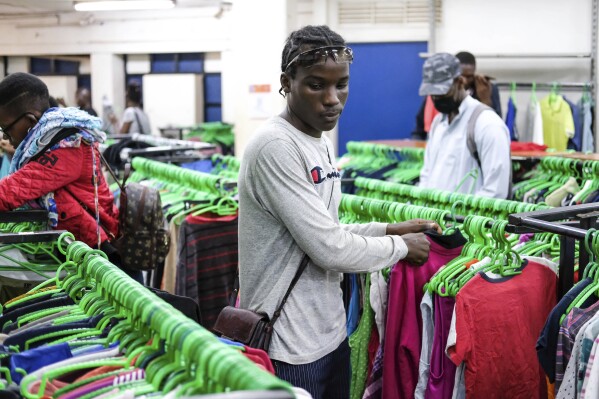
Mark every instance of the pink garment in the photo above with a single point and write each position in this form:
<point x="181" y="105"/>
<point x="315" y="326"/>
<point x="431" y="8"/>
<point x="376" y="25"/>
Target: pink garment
<point x="260" y="357"/>
<point x="442" y="370"/>
<point x="403" y="334"/>
<point x="429" y="113"/>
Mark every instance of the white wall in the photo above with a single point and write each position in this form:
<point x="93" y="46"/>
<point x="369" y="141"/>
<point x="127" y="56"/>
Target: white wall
<point x="253" y="57"/>
<point x="18" y="64"/>
<point x="62" y="87"/>
<point x="138" y="64"/>
<point x="539" y="27"/>
<point x="173" y="100"/>
<point x="108" y="82"/>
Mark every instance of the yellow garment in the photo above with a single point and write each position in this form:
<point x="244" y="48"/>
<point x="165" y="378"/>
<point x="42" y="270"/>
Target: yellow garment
<point x="29" y="293"/>
<point x="558" y="122"/>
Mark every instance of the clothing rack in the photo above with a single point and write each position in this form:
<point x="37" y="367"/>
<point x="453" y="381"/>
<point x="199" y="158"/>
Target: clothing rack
<point x="579" y="219"/>
<point x="27" y="236"/>
<point x="210" y="366"/>
<point x="380" y="189"/>
<point x="582" y="217"/>
<point x="163" y="141"/>
<point x="175" y="174"/>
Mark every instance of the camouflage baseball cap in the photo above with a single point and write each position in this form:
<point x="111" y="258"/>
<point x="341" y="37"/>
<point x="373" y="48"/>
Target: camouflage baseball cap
<point x="438" y="73"/>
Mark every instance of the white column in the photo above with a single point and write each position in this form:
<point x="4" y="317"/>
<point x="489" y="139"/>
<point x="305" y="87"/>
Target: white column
<point x="108" y="79"/>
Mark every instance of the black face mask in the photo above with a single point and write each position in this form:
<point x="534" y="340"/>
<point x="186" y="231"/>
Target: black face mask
<point x="446" y="105"/>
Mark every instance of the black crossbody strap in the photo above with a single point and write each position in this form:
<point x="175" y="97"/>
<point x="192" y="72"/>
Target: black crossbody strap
<point x="141" y="129"/>
<point x="297" y="276"/>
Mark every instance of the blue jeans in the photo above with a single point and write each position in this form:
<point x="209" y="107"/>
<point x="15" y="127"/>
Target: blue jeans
<point x="326" y="378"/>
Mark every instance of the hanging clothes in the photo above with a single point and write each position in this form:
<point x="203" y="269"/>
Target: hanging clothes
<point x="489" y="336"/>
<point x="437" y="374"/>
<point x="510" y="119"/>
<point x="429" y="113"/>
<point x="534" y="124"/>
<point x="207" y="264"/>
<point x="359" y="343"/>
<point x="404" y="320"/>
<point x="353" y="310"/>
<point x="547" y="342"/>
<point x="586" y="114"/>
<point x="566" y="338"/>
<point x="168" y="282"/>
<point x="558" y="123"/>
<point x="442" y="370"/>
<point x="575" y="143"/>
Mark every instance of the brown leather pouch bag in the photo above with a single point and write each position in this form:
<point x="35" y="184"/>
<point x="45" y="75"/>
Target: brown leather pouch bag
<point x="244" y="326"/>
<point x="250" y="328"/>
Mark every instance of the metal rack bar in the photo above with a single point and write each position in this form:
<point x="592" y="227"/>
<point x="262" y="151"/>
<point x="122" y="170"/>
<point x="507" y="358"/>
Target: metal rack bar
<point x="34" y="236"/>
<point x="545" y="85"/>
<point x="161" y="151"/>
<point x="525" y="55"/>
<point x="37" y="215"/>
<point x="585" y="216"/>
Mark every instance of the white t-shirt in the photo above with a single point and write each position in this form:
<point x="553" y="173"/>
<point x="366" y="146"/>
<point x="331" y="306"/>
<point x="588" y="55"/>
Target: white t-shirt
<point x="137" y="116"/>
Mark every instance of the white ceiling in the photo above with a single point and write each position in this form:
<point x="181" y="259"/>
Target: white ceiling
<point x="25" y="7"/>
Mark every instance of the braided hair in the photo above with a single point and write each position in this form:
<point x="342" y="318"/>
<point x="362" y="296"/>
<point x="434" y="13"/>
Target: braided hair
<point x="304" y="39"/>
<point x="21" y="92"/>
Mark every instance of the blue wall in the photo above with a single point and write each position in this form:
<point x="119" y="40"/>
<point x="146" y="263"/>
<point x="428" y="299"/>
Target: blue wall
<point x="383" y="95"/>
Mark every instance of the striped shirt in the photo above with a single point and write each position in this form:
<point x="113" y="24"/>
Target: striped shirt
<point x="567" y="335"/>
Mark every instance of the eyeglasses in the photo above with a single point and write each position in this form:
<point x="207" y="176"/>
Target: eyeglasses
<point x="4" y="130"/>
<point x="319" y="55"/>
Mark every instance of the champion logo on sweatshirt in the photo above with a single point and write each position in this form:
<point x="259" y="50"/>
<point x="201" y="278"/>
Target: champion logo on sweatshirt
<point x="319" y="176"/>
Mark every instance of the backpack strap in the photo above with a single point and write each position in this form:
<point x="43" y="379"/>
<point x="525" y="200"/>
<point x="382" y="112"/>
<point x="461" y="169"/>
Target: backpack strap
<point x="58" y="137"/>
<point x="471" y="143"/>
<point x="141" y="128"/>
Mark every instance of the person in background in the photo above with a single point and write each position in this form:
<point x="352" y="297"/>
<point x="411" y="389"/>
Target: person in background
<point x="8" y="151"/>
<point x="447" y="158"/>
<point x="53" y="103"/>
<point x="84" y="100"/>
<point x="135" y="120"/>
<point x="479" y="87"/>
<point x="57" y="148"/>
<point x="289" y="196"/>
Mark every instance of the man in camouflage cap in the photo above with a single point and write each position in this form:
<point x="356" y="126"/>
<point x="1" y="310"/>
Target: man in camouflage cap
<point x="438" y="74"/>
<point x="464" y="140"/>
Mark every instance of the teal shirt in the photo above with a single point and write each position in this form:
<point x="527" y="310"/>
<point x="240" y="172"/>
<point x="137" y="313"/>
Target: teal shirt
<point x="5" y="167"/>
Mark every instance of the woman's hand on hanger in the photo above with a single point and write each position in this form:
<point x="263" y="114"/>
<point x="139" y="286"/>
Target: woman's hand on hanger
<point x="412" y="226"/>
<point x="418" y="248"/>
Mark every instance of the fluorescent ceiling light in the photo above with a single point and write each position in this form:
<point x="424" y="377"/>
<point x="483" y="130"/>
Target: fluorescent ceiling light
<point x="112" y="5"/>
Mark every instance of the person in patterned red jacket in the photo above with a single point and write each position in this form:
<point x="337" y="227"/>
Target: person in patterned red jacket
<point x="56" y="165"/>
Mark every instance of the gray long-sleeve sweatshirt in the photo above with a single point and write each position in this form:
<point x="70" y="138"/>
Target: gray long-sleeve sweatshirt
<point x="289" y="194"/>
